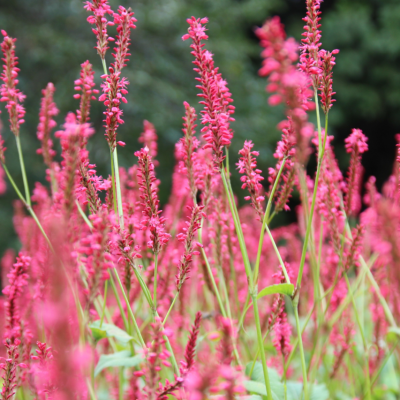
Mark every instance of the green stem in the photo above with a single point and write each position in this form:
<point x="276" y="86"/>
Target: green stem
<point x="118" y="189"/>
<point x="103" y="309"/>
<point x="302" y="357"/>
<point x="170" y="308"/>
<point x="261" y="346"/>
<point x="311" y="214"/>
<point x="113" y="185"/>
<point x="360" y="327"/>
<point x="265" y="221"/>
<point x="135" y="325"/>
<point x="239" y="232"/>
<point x="83" y="215"/>
<point x="24" y="178"/>
<point x="155" y="281"/>
<point x="278" y="255"/>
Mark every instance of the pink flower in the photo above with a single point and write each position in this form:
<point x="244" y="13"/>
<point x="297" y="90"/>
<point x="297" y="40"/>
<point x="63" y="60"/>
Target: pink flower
<point x="149" y="201"/>
<point x="291" y="86"/>
<point x="251" y="177"/>
<point x="327" y="62"/>
<point x="9" y="92"/>
<point x="18" y="280"/>
<point x="309" y="60"/>
<point x="125" y="22"/>
<point x="85" y="85"/>
<point x="100" y="9"/>
<point x="217" y="113"/>
<point x="148" y="138"/>
<point x="48" y="111"/>
<point x="193" y="225"/>
<point x="356" y="145"/>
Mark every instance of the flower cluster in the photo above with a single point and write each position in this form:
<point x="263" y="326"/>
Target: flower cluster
<point x="100" y="9"/>
<point x="8" y="91"/>
<point x="149" y="201"/>
<point x="48" y="110"/>
<point x="85" y="85"/>
<point x="251" y="179"/>
<point x="218" y="111"/>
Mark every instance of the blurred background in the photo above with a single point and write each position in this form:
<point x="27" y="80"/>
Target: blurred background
<point x="54" y="39"/>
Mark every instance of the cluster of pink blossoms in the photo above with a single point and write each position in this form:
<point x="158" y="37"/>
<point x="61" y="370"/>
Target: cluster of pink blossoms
<point x="217" y="113"/>
<point x="9" y="92"/>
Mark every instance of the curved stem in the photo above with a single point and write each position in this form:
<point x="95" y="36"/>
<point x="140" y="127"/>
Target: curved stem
<point x="24" y="178"/>
<point x="266" y="220"/>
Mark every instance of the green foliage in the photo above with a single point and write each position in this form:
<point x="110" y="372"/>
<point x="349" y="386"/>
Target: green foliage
<point x="282" y="288"/>
<point x="119" y="359"/>
<point x="109" y="330"/>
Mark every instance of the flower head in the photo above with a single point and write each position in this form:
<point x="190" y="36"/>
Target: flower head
<point x="48" y="111"/>
<point x="217" y="112"/>
<point x="9" y="92"/>
<point x="100" y="9"/>
<point x="85" y="85"/>
<point x="251" y="177"/>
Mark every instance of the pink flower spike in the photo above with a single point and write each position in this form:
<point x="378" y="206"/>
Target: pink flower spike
<point x="85" y="84"/>
<point x="48" y="110"/>
<point x="9" y="92"/>
<point x="99" y="8"/>
<point x="218" y="111"/>
<point x="251" y="178"/>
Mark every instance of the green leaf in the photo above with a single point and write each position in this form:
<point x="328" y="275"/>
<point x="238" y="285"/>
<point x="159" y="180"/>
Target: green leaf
<point x="109" y="330"/>
<point x="257" y="384"/>
<point x="294" y="389"/>
<point x="120" y="359"/>
<point x="282" y="288"/>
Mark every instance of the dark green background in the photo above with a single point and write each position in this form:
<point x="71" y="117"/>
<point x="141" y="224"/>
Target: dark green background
<point x="54" y="39"/>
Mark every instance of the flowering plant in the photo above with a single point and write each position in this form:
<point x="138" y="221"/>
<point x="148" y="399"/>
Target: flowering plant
<point x="111" y="296"/>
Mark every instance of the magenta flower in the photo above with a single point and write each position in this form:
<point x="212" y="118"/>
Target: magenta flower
<point x="251" y="178"/>
<point x="48" y="111"/>
<point x="309" y="58"/>
<point x="148" y="138"/>
<point x="149" y="201"/>
<point x="217" y="113"/>
<point x="356" y="145"/>
<point x="9" y="92"/>
<point x="85" y="85"/>
<point x="125" y="22"/>
<point x="18" y="280"/>
<point x="187" y="237"/>
<point x="326" y="93"/>
<point x="100" y="9"/>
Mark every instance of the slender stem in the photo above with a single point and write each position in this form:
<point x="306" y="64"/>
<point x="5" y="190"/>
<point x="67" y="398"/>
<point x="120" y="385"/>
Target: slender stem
<point x="113" y="185"/>
<point x="310" y="217"/>
<point x="261" y="345"/>
<point x="239" y="233"/>
<point x="83" y="215"/>
<point x="302" y="357"/>
<point x="170" y="308"/>
<point x="121" y="309"/>
<point x="24" y="178"/>
<point x="103" y="309"/>
<point x="278" y="255"/>
<point x="360" y="327"/>
<point x="266" y="220"/>
<point x="155" y="281"/>
<point x="135" y="325"/>
<point x="118" y="189"/>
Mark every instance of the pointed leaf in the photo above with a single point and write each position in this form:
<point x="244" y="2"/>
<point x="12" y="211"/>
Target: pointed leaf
<point x="109" y="330"/>
<point x="294" y="391"/>
<point x="120" y="359"/>
<point x="282" y="288"/>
